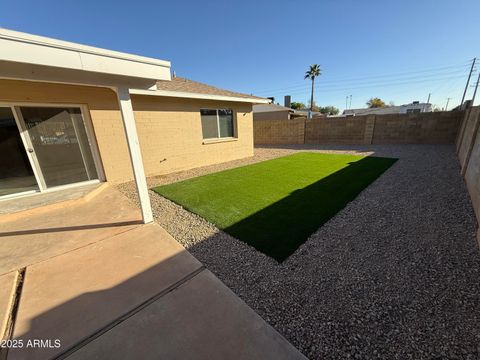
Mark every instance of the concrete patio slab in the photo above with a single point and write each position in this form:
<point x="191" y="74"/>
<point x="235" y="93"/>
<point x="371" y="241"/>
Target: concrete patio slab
<point x="7" y="288"/>
<point x="201" y="319"/>
<point x="72" y="296"/>
<point x="34" y="238"/>
<point x="47" y="199"/>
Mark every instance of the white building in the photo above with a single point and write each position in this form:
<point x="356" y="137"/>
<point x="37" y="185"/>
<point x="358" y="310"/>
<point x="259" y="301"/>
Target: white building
<point x="414" y="107"/>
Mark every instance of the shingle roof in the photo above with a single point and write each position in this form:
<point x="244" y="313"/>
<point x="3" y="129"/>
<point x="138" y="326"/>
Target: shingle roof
<point x="269" y="108"/>
<point x="189" y="86"/>
<point x="380" y="110"/>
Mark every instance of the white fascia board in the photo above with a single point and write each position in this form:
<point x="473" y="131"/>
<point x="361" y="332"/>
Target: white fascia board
<point x="38" y="50"/>
<point x="188" y="95"/>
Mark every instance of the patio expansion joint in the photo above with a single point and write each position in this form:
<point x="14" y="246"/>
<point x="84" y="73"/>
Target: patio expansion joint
<point x="8" y="327"/>
<point x="128" y="314"/>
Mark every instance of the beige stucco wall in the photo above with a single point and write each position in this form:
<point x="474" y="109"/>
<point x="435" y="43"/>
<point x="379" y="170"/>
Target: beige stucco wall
<point x="169" y="128"/>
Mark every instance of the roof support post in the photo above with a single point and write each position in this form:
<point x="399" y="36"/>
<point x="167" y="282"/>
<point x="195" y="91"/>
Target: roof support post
<point x="134" y="151"/>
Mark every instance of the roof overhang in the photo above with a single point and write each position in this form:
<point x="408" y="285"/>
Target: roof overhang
<point x="189" y="95"/>
<point x="30" y="57"/>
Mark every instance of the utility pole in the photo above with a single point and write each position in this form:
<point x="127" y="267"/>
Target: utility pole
<point x="468" y="80"/>
<point x="428" y="101"/>
<point x="475" y="131"/>
<point x="350" y="102"/>
<point x="446" y="106"/>
<point x="475" y="91"/>
<point x="346" y="102"/>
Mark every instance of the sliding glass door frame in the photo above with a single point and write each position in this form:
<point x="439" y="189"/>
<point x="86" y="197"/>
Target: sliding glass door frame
<point x="27" y="143"/>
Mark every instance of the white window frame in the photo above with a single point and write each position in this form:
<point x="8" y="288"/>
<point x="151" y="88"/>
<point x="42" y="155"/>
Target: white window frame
<point x="14" y="107"/>
<point x="234" y="125"/>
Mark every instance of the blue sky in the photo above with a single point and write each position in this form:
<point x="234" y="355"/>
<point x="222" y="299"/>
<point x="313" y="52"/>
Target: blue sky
<point x="398" y="50"/>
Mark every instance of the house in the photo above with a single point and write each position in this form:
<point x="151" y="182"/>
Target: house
<point x="72" y="114"/>
<point x="279" y="112"/>
<point x="414" y="107"/>
<point x="271" y="112"/>
<point x="305" y="112"/>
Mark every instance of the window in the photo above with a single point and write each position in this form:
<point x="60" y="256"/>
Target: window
<point x="414" y="111"/>
<point x="217" y="123"/>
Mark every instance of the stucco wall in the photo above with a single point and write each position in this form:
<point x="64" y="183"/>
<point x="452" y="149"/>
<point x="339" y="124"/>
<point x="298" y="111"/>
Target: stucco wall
<point x="169" y="128"/>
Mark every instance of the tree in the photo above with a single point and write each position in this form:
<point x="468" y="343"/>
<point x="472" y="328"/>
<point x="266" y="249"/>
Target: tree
<point x="375" y="103"/>
<point x="313" y="107"/>
<point x="297" y="105"/>
<point x="311" y="74"/>
<point x="329" y="110"/>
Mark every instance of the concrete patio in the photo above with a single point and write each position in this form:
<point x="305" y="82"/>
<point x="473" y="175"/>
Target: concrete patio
<point x="108" y="287"/>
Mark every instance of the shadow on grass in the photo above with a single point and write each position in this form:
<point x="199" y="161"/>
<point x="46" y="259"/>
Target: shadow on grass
<point x="279" y="229"/>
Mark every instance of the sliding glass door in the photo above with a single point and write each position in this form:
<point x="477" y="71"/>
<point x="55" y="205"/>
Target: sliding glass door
<point x="59" y="143"/>
<point x="48" y="146"/>
<point x="16" y="173"/>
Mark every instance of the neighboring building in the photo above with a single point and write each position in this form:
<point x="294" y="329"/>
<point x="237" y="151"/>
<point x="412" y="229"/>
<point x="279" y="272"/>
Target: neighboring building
<point x="414" y="107"/>
<point x="271" y="112"/>
<point x="304" y="113"/>
<point x="72" y="114"/>
<point x="279" y="112"/>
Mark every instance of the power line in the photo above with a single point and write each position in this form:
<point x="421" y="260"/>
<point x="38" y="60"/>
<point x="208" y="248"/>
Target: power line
<point x="325" y="84"/>
<point x="368" y="85"/>
<point x="386" y="75"/>
<point x="439" y="70"/>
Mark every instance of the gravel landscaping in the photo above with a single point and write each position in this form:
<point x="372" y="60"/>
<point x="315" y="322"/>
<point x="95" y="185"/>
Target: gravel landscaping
<point x="394" y="275"/>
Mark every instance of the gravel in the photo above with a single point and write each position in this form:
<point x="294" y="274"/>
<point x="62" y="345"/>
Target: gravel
<point x="394" y="275"/>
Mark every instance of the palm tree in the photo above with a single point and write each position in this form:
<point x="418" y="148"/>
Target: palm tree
<point x="312" y="73"/>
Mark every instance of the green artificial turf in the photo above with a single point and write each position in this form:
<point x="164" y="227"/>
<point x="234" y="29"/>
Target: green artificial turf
<point x="276" y="205"/>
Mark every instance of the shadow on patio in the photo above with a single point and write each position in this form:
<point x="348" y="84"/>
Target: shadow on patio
<point x="138" y="294"/>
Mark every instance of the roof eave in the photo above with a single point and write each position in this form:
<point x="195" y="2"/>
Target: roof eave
<point x="189" y="95"/>
<point x="36" y="51"/>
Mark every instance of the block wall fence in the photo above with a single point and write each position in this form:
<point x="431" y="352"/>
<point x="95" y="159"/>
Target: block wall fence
<point x="468" y="150"/>
<point x="422" y="128"/>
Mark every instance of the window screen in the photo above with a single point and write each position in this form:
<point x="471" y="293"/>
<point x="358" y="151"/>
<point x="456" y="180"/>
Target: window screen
<point x="217" y="123"/>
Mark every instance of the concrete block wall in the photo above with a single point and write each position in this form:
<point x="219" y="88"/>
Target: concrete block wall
<point x="423" y="128"/>
<point x="467" y="133"/>
<point x="170" y="133"/>
<point x="279" y="132"/>
<point x="342" y="130"/>
<point x="468" y="150"/>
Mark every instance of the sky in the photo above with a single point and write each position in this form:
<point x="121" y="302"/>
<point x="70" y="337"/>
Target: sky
<point x="397" y="50"/>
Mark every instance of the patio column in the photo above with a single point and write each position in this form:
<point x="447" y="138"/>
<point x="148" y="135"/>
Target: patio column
<point x="126" y="110"/>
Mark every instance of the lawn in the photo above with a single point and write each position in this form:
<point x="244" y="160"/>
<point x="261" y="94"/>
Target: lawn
<point x="275" y="205"/>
